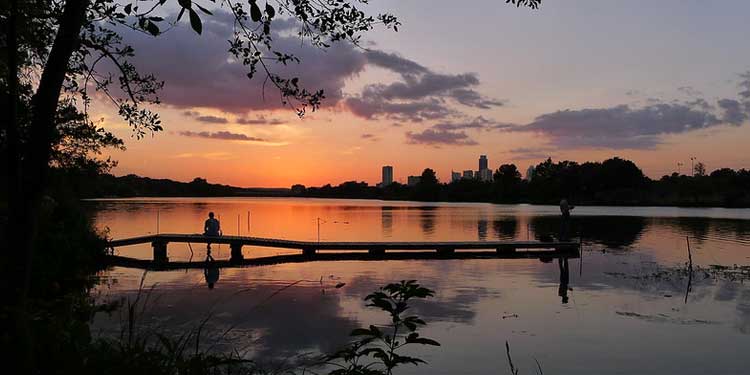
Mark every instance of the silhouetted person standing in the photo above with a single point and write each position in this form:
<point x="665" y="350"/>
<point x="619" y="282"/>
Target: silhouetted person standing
<point x="565" y="209"/>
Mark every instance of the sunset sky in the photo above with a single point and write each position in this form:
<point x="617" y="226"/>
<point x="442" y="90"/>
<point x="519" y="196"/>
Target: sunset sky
<point x="652" y="81"/>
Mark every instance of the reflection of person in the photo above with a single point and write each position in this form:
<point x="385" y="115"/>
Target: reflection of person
<point x="562" y="291"/>
<point x="565" y="209"/>
<point x="211" y="271"/>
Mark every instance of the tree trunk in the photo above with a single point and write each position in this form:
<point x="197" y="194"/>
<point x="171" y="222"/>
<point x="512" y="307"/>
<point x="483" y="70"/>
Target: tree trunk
<point x="44" y="107"/>
<point x="28" y="169"/>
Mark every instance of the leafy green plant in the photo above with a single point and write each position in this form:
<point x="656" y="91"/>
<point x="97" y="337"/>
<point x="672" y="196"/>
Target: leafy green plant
<point x="376" y="349"/>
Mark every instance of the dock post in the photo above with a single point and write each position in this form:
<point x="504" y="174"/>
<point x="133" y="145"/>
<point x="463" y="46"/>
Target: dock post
<point x="376" y="251"/>
<point x="308" y="251"/>
<point x="236" y="252"/>
<point x="505" y="249"/>
<point x="446" y="250"/>
<point x="160" y="251"/>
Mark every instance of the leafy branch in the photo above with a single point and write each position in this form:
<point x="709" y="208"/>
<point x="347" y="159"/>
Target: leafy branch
<point x="385" y="343"/>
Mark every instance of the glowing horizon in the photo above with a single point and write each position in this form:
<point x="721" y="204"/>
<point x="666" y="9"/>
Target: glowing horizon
<point x="579" y="81"/>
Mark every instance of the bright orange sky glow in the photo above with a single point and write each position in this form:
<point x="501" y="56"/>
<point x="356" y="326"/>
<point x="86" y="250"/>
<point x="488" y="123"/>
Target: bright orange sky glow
<point x="571" y="94"/>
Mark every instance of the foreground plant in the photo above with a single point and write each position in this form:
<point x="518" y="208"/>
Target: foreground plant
<point x="376" y="350"/>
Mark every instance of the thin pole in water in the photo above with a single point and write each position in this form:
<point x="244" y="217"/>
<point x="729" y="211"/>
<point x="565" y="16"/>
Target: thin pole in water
<point x="318" y="229"/>
<point x="689" y="269"/>
<point x="248" y="222"/>
<point x="238" y="225"/>
<point x="157" y="221"/>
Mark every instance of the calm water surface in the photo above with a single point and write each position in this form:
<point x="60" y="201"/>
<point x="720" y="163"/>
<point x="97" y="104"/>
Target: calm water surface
<point x="623" y="310"/>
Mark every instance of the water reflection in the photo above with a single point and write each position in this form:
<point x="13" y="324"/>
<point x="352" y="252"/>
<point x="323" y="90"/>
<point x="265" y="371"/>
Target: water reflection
<point x="743" y="312"/>
<point x="427" y="220"/>
<point x="505" y="229"/>
<point x="386" y="221"/>
<point x="562" y="291"/>
<point x="482" y="228"/>
<point x="211" y="271"/>
<point x="611" y="231"/>
<point x="551" y="311"/>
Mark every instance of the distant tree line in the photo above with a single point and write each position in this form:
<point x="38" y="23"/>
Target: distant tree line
<point x="614" y="181"/>
<point x="88" y="184"/>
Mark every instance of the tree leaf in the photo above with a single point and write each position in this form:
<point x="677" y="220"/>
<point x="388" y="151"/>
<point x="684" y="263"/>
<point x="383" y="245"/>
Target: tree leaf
<point x="255" y="13"/>
<point x="195" y="21"/>
<point x="270" y="11"/>
<point x="204" y="10"/>
<point x="151" y="28"/>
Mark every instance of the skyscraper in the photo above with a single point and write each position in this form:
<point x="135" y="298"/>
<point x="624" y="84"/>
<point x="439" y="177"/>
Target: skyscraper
<point x="482" y="163"/>
<point x="387" y="175"/>
<point x="484" y="173"/>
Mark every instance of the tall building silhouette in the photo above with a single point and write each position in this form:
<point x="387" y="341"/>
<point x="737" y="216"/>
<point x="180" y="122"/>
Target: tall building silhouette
<point x="484" y="173"/>
<point x="387" y="175"/>
<point x="482" y="162"/>
<point x="455" y="176"/>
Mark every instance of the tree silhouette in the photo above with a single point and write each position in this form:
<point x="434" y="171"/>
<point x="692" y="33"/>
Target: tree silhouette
<point x="53" y="51"/>
<point x="699" y="169"/>
<point x="507" y="181"/>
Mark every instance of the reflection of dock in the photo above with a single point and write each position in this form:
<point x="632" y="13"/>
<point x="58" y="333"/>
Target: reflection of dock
<point x="311" y="250"/>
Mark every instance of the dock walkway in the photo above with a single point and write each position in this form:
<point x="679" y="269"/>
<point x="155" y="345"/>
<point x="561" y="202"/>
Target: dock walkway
<point x="512" y="249"/>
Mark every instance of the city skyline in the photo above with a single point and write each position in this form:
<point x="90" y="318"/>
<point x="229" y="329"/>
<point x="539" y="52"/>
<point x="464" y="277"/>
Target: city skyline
<point x="667" y="90"/>
<point x="484" y="172"/>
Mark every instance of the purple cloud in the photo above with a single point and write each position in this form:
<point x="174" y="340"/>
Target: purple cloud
<point x="526" y="153"/>
<point x="438" y="137"/>
<point x="222" y="135"/>
<point x="619" y="127"/>
<point x="200" y="72"/>
<point x="420" y="95"/>
<point x="745" y="86"/>
<point x="260" y="120"/>
<point x="212" y="119"/>
<point x="734" y="112"/>
<point x="477" y="123"/>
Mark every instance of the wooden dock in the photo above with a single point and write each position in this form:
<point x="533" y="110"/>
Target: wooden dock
<point x="312" y="249"/>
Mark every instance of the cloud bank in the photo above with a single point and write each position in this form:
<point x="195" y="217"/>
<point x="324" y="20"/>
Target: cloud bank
<point x="199" y="72"/>
<point x="421" y="94"/>
<point x="222" y="135"/>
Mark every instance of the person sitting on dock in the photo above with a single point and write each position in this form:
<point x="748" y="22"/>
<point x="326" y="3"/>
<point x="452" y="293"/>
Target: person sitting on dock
<point x="565" y="209"/>
<point x="212" y="227"/>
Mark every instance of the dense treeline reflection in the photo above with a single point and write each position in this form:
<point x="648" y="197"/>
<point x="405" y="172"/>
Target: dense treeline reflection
<point x="611" y="231"/>
<point x="613" y="182"/>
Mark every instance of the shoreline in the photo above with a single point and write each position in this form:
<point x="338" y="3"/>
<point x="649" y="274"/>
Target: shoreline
<point x="416" y="202"/>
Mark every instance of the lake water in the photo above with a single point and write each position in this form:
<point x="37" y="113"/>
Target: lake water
<point x="623" y="310"/>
